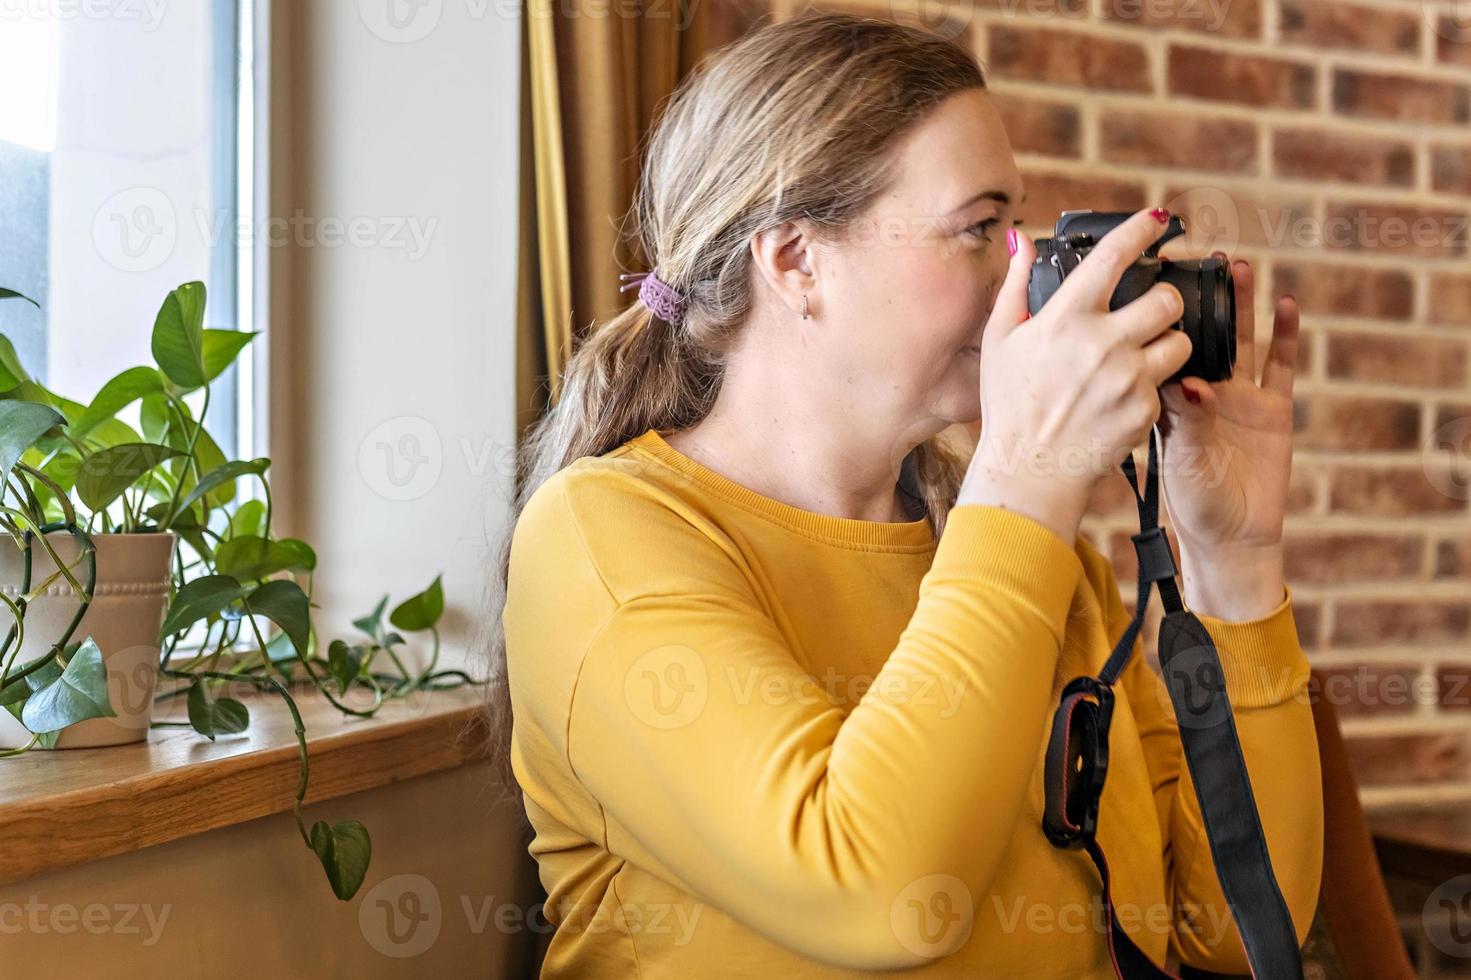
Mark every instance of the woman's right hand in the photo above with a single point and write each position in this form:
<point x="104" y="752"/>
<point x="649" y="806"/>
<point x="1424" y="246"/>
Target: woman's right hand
<point x="1068" y="393"/>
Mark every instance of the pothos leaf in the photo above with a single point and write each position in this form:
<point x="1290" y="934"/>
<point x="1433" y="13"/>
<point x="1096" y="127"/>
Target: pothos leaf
<point x="212" y="716"/>
<point x="345" y="851"/>
<point x="79" y="693"/>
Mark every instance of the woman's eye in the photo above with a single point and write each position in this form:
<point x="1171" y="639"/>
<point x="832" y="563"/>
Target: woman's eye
<point x="982" y="229"/>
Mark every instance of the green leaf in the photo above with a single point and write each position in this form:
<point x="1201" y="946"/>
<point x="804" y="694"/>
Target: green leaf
<point x="208" y="455"/>
<point x="21" y="424"/>
<point x="220" y="348"/>
<point x="421" y="611"/>
<point x="119" y="392"/>
<point x="78" y="694"/>
<point x="283" y="603"/>
<point x="113" y="432"/>
<point x="344" y="662"/>
<point x="106" y="474"/>
<point x="12" y="372"/>
<point x="373" y="622"/>
<point x="249" y="518"/>
<point x="344" y="850"/>
<point x="178" y="336"/>
<point x="215" y="716"/>
<point x="250" y="558"/>
<point x="201" y="597"/>
<point x="305" y="557"/>
<point x="154" y="418"/>
<point x="231" y="470"/>
<point x="12" y="294"/>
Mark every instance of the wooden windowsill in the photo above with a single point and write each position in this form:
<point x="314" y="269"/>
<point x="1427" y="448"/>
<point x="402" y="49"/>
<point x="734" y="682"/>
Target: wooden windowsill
<point x="66" y="807"/>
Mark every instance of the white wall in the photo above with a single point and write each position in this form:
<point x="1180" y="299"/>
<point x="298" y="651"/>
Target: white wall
<point x="392" y="406"/>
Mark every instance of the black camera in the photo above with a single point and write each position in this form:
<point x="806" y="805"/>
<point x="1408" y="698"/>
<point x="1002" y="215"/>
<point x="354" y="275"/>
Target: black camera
<point x="1205" y="286"/>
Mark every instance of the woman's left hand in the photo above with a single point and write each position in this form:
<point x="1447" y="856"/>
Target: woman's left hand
<point x="1226" y="461"/>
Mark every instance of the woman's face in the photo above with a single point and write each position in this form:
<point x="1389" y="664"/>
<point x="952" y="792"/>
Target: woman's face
<point x="910" y="286"/>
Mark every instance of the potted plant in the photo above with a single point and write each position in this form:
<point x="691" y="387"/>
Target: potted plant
<point x="139" y="575"/>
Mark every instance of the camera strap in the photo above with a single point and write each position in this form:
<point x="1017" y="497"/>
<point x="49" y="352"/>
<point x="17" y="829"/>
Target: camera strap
<point x="1077" y="761"/>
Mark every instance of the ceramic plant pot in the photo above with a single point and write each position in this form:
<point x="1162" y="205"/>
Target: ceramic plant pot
<point x="128" y="605"/>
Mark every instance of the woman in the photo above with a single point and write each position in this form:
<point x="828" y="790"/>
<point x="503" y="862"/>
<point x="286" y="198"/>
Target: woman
<point x="781" y="665"/>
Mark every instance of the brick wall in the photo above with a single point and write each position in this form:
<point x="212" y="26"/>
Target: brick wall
<point x="1329" y="143"/>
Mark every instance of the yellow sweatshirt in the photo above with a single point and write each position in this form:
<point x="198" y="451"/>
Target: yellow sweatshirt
<point x="758" y="741"/>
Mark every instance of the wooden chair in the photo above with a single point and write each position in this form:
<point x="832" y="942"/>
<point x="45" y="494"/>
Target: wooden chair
<point x="1355" y="935"/>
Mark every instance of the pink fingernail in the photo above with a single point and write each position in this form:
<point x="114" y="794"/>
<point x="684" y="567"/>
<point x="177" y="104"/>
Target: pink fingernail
<point x="1160" y="215"/>
<point x="1011" y="241"/>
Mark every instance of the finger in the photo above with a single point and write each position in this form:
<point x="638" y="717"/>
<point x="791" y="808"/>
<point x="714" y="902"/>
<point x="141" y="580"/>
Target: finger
<point x="1244" y="279"/>
<point x="1164" y="356"/>
<point x="1092" y="283"/>
<point x="1010" y="308"/>
<point x="1141" y="321"/>
<point x="1281" y="366"/>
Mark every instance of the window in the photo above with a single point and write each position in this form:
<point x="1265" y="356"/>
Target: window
<point x="126" y="168"/>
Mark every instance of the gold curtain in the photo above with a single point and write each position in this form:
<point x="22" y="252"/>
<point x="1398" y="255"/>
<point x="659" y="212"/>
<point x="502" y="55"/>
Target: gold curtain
<point x="594" y="73"/>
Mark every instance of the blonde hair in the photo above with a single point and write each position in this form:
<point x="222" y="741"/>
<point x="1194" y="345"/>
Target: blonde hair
<point x="795" y="120"/>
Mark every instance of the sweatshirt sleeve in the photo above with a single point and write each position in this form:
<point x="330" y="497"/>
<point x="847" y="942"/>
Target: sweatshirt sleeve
<point x="1266" y="677"/>
<point x="722" y="766"/>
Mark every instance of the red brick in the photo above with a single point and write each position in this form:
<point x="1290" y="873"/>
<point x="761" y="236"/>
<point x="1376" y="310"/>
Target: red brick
<point x="1338" y="422"/>
<point x="1374" y="622"/>
<point x="1400" y="229"/>
<point x="1417" y="362"/>
<point x="1335" y="24"/>
<point x="1387" y="96"/>
<point x="1224" y="76"/>
<point x="1238" y="18"/>
<point x="1309" y="619"/>
<point x="1039" y="126"/>
<point x="1409" y="760"/>
<point x="1177" y="139"/>
<point x="1450" y="300"/>
<point x="1453" y="687"/>
<point x="1386" y="294"/>
<point x="1400" y="491"/>
<point x="1048" y="194"/>
<point x="1302" y="490"/>
<point x="1452" y="41"/>
<point x="1450" y="169"/>
<point x="1318" y="154"/>
<point x="1369" y="689"/>
<point x="1453" y="684"/>
<point x="1334" y="558"/>
<point x="1453" y="414"/>
<point x="1453" y="559"/>
<point x="1068" y="58"/>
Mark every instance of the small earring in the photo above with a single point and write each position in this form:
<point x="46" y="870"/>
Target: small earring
<point x="804" y="306"/>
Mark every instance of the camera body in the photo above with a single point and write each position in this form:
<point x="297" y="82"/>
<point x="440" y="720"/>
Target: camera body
<point x="1205" y="285"/>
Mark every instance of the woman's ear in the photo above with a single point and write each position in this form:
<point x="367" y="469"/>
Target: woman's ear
<point x="787" y="259"/>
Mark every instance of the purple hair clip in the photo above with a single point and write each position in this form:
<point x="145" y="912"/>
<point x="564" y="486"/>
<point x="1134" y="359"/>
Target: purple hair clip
<point x="663" y="299"/>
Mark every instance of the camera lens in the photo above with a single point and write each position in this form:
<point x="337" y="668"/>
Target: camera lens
<point x="1210" y="316"/>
